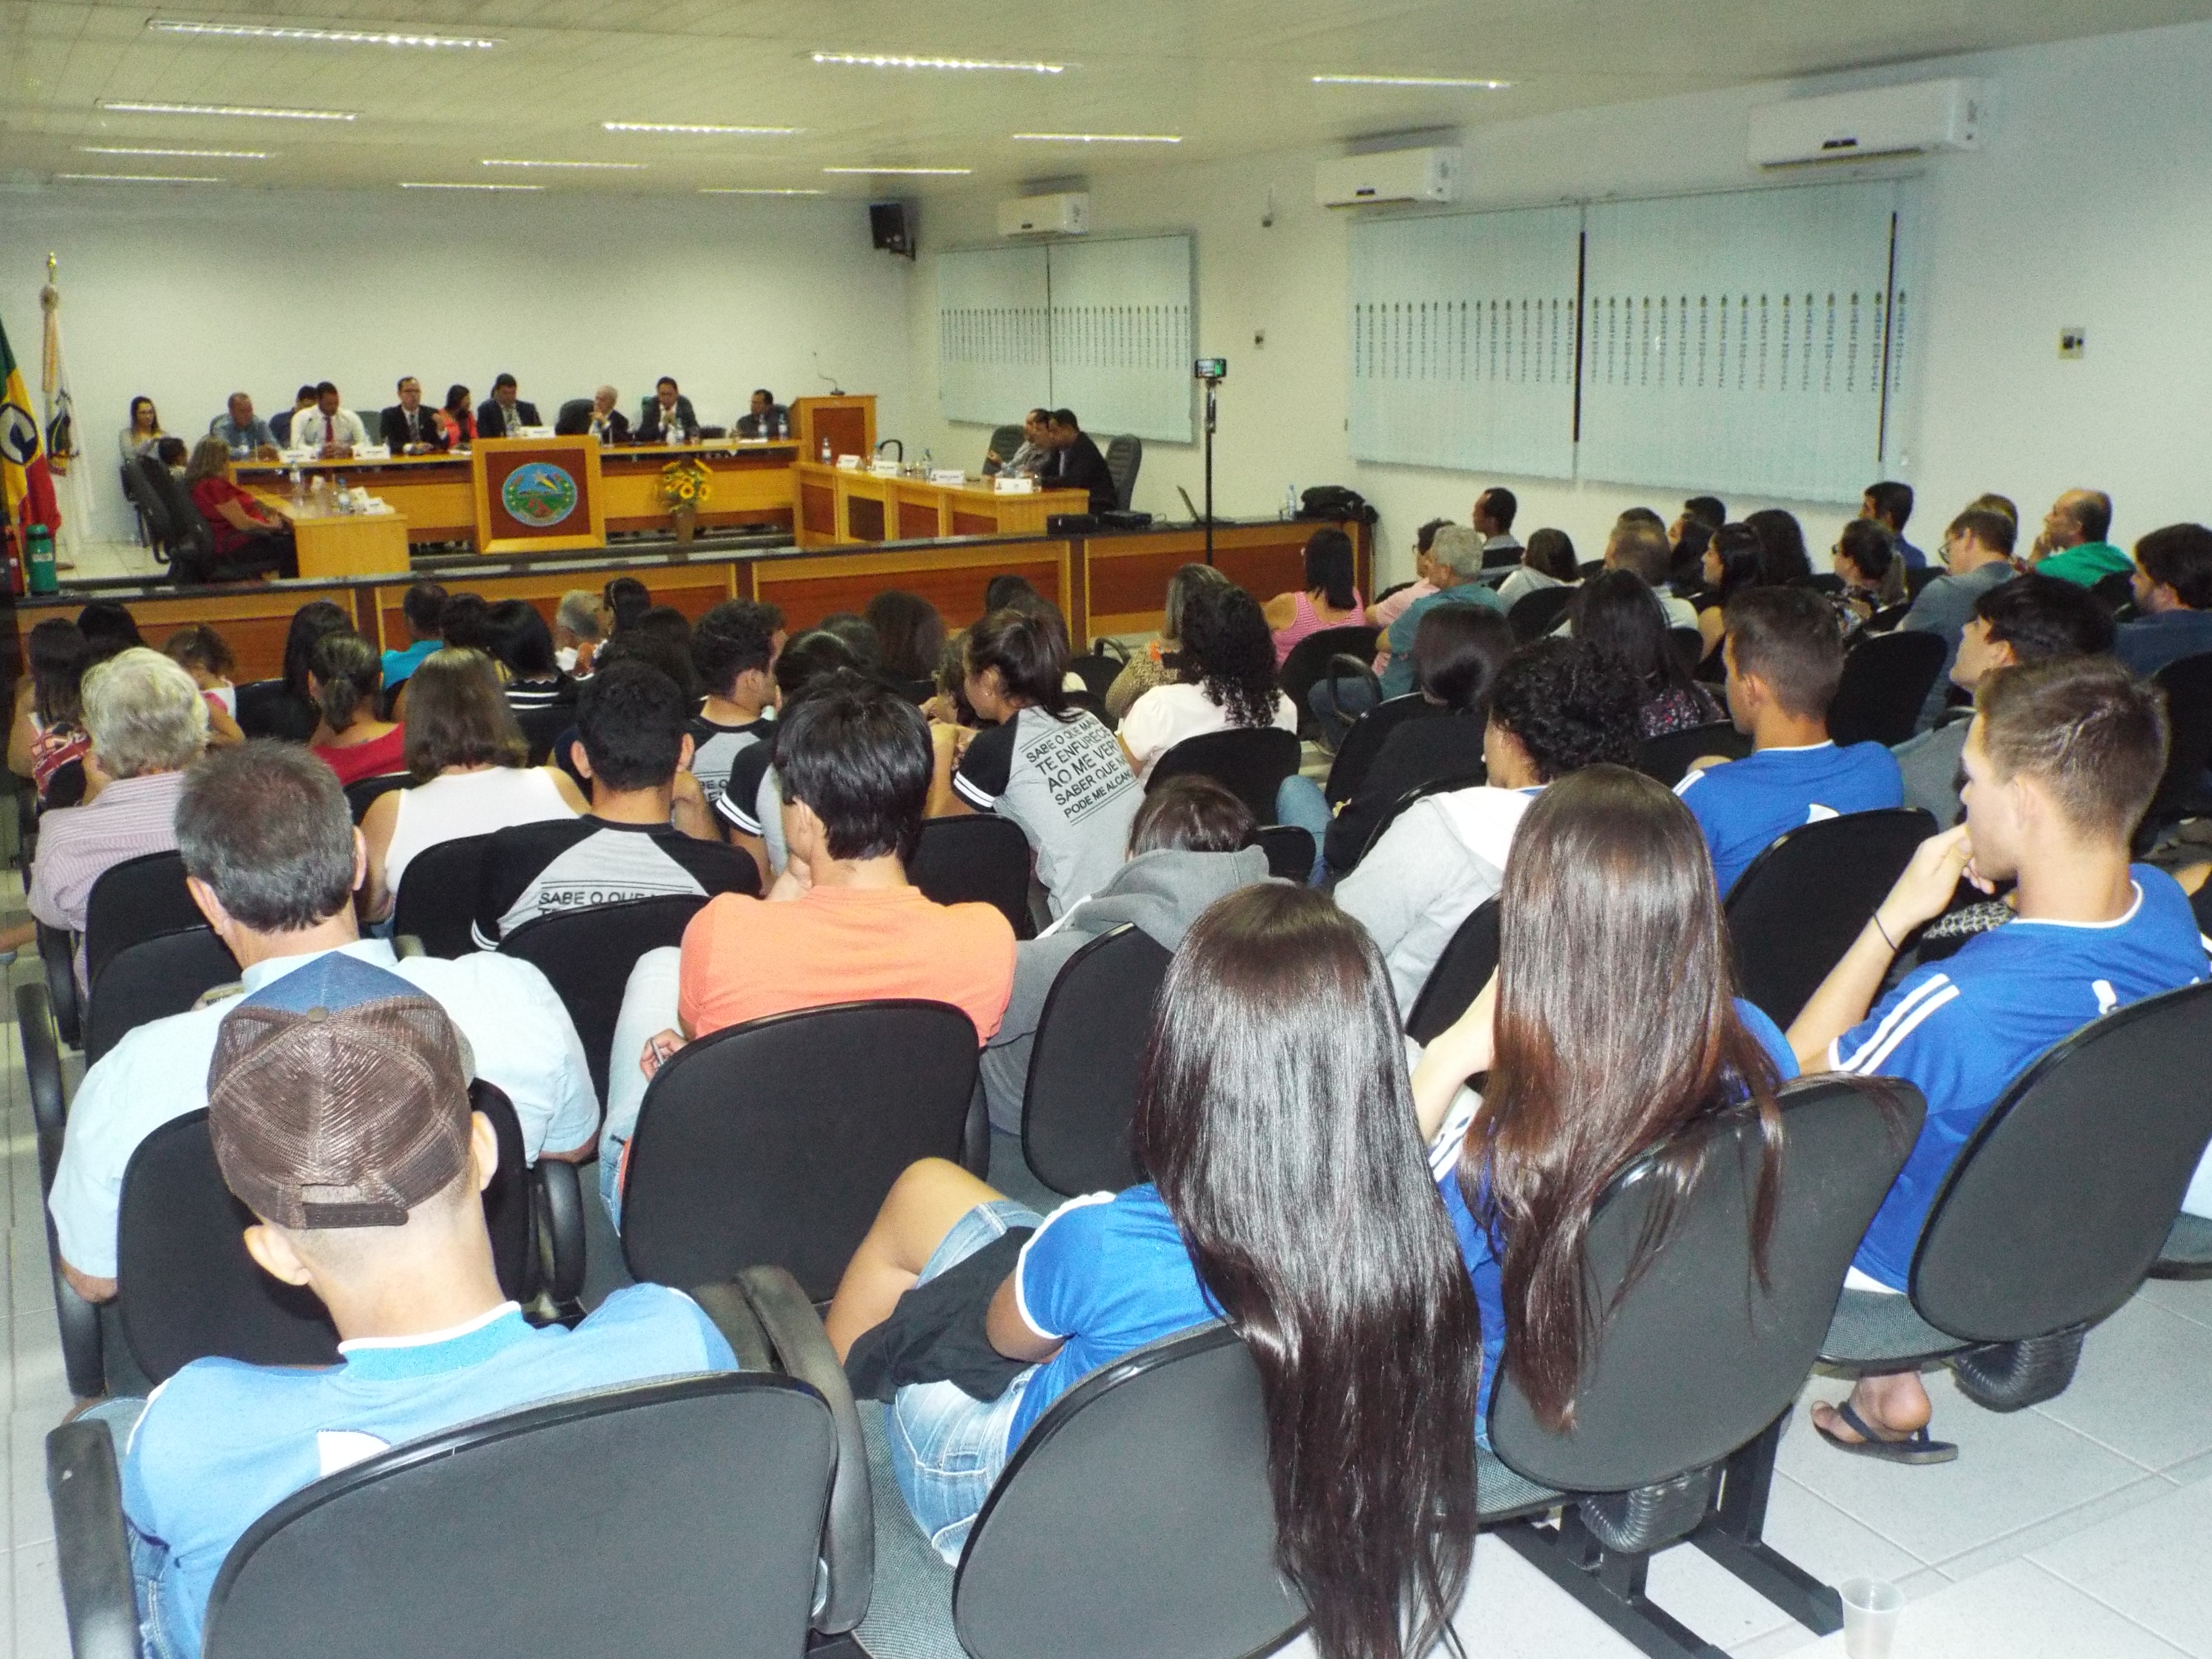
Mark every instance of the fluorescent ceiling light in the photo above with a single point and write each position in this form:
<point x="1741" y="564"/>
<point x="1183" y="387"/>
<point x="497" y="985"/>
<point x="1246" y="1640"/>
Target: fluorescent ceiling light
<point x="629" y="166"/>
<point x="431" y="184"/>
<point x="1409" y="81"/>
<point x="698" y="127"/>
<point x="1097" y="137"/>
<point x="252" y="111"/>
<point x="196" y="155"/>
<point x="751" y="190"/>
<point x="328" y="37"/>
<point x="916" y="172"/>
<point x="137" y="179"/>
<point x="877" y="60"/>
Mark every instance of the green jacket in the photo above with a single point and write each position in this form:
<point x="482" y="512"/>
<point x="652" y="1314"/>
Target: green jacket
<point x="2086" y="565"/>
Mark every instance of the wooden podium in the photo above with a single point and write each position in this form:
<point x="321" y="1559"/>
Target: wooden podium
<point x="848" y="423"/>
<point x="538" y="494"/>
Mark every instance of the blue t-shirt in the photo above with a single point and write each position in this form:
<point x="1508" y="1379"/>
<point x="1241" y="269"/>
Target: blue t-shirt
<point x="1963" y="1029"/>
<point x="1746" y="805"/>
<point x="399" y="665"/>
<point x="222" y="1442"/>
<point x="1105" y="1273"/>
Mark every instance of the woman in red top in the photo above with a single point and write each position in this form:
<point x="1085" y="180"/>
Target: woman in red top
<point x="344" y="674"/>
<point x="459" y="417"/>
<point x="248" y="541"/>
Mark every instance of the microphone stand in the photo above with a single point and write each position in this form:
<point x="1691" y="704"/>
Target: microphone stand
<point x="1211" y="385"/>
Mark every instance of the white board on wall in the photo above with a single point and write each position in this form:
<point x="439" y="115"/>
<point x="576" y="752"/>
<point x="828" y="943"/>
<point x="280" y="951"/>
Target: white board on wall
<point x="992" y="312"/>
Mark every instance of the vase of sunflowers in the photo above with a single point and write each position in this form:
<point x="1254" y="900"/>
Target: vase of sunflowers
<point x="684" y="487"/>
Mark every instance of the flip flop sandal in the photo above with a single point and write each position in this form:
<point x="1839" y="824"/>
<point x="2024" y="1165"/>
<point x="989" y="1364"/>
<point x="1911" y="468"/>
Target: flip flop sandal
<point x="1914" y="1448"/>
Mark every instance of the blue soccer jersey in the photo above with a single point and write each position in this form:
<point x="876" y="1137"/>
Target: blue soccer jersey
<point x="1961" y="1029"/>
<point x="1746" y="806"/>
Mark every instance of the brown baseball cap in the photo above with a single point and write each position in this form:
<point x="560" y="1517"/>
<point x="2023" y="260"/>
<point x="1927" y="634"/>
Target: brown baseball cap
<point x="339" y="1097"/>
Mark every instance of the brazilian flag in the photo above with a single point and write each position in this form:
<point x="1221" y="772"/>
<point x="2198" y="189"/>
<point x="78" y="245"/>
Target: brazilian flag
<point x="26" y="483"/>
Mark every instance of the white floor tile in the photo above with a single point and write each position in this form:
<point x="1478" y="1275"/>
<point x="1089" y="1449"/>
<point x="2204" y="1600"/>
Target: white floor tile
<point x="31" y="1519"/>
<point x="2149" y="1562"/>
<point x="2016" y="1611"/>
<point x="2190" y="1297"/>
<point x="1513" y="1612"/>
<point x="1698" y="1592"/>
<point x="2123" y="1394"/>
<point x="1826" y="1542"/>
<point x="40" y="1625"/>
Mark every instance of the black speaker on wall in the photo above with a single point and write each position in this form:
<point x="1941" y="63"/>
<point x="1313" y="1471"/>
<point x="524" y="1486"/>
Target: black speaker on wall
<point x="892" y="227"/>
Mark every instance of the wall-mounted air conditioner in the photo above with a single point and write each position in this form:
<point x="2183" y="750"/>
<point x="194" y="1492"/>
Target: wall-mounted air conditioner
<point x="1065" y="215"/>
<point x="1850" y="126"/>
<point x="1389" y="175"/>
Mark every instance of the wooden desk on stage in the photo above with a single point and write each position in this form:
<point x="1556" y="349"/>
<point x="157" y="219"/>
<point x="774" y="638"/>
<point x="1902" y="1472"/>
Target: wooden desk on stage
<point x="843" y="506"/>
<point x="342" y="544"/>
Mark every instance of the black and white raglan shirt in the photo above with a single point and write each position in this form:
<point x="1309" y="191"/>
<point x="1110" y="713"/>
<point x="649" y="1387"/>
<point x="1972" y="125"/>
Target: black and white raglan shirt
<point x="1066" y="781"/>
<point x="533" y="870"/>
<point x="714" y="748"/>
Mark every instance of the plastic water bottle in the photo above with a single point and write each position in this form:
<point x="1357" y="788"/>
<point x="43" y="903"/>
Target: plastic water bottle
<point x="928" y="463"/>
<point x="40" y="571"/>
<point x="340" y="501"/>
<point x="826" y="457"/>
<point x="1290" y="500"/>
<point x="299" y="488"/>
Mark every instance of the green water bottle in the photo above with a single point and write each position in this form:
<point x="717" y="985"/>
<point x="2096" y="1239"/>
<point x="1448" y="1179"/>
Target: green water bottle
<point x="38" y="550"/>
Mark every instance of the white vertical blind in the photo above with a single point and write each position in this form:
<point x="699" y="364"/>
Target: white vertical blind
<point x="993" y="362"/>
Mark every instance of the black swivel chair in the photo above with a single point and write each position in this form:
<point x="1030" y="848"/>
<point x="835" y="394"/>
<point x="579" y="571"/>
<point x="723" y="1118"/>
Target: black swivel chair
<point x="437" y="898"/>
<point x="1365" y="740"/>
<point x="1886" y="681"/>
<point x="1794" y="913"/>
<point x="1669" y="756"/>
<point x="267" y="709"/>
<point x="78" y="1320"/>
<point x="1100" y="667"/>
<point x="153" y="510"/>
<point x="2188" y="687"/>
<point x="1081" y="1094"/>
<point x="1250" y="762"/>
<point x="1125" y="458"/>
<point x="134" y="900"/>
<point x="2187" y="1252"/>
<point x="361" y="794"/>
<point x="191" y="540"/>
<point x="588" y="956"/>
<point x="574" y="419"/>
<point x="979" y="858"/>
<point x="775" y="1141"/>
<point x="57" y="965"/>
<point x="1290" y="849"/>
<point x="1420" y="792"/>
<point x="1312" y="658"/>
<point x="1005" y="440"/>
<point x="542" y="728"/>
<point x="1459" y="975"/>
<point x="1534" y="615"/>
<point x="152" y="979"/>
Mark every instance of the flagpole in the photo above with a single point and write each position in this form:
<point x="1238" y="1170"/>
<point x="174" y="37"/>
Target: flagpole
<point x="64" y="450"/>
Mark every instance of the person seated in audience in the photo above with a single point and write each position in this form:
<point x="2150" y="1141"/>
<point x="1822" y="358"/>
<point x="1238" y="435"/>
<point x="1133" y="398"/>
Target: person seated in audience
<point x="1288" y="1194"/>
<point x="1707" y="510"/>
<point x="522" y="646"/>
<point x="146" y="722"/>
<point x="2072" y="545"/>
<point x="667" y="417"/>
<point x="248" y="542"/>
<point x="2173" y="599"/>
<point x="1191" y="842"/>
<point x="1785" y="657"/>
<point x="911" y="634"/>
<point x="142" y="432"/>
<point x="1640" y="545"/>
<point x="338" y="1108"/>
<point x="2061" y="758"/>
<point x="1865" y="561"/>
<point x="407" y="428"/>
<point x="506" y="415"/>
<point x="281" y="424"/>
<point x="751" y="805"/>
<point x="576" y="631"/>
<point x="345" y="676"/>
<point x="1788" y="563"/>
<point x="1228" y="680"/>
<point x="1157" y="664"/>
<point x="1390" y="606"/>
<point x="763" y="416"/>
<point x="206" y="656"/>
<point x="1889" y="504"/>
<point x="1330" y="598"/>
<point x="108" y="627"/>
<point x="2030" y="618"/>
<point x="465" y="756"/>
<point x="464" y="623"/>
<point x="424" y="608"/>
<point x="622" y="602"/>
<point x="648" y="834"/>
<point x="329" y="429"/>
<point x="1492" y="518"/>
<point x="1555" y="708"/>
<point x="607" y="423"/>
<point x="172" y="454"/>
<point x="1976" y="556"/>
<point x="734" y="648"/>
<point x="1734" y="561"/>
<point x="1033" y="455"/>
<point x="1455" y="570"/>
<point x="1685" y="570"/>
<point x="1053" y="770"/>
<point x="294" y="715"/>
<point x="1548" y="561"/>
<point x="1608" y="904"/>
<point x="1618" y="616"/>
<point x="1077" y="464"/>
<point x="272" y="860"/>
<point x="48" y="743"/>
<point x="456" y="419"/>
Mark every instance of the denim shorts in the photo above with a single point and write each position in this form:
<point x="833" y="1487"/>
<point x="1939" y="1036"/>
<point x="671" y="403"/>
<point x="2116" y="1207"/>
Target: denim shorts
<point x="947" y="1447"/>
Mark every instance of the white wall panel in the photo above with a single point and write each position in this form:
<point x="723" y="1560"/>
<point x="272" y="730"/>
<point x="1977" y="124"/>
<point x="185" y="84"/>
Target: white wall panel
<point x="993" y="350"/>
<point x="1121" y="335"/>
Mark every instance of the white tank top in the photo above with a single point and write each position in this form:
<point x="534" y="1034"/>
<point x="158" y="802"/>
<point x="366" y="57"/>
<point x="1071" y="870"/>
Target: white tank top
<point x="469" y="804"/>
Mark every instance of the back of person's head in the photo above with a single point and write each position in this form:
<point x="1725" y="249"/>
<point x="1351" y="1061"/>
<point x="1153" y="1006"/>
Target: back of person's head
<point x="1552" y="552"/>
<point x="1742" y="557"/>
<point x="814" y="655"/>
<point x="1330" y="569"/>
<point x="1640" y="545"/>
<point x="579" y="613"/>
<point x="1567" y="706"/>
<point x="736" y="637"/>
<point x="1458" y="550"/>
<point x="1707" y="510"/>
<point x="309" y="623"/>
<point x="1994" y="531"/>
<point x="143" y="713"/>
<point x="1499" y="506"/>
<point x="1186" y="581"/>
<point x="1457" y="652"/>
<point x="108" y="627"/>
<point x="1789" y="639"/>
<point x="265" y="825"/>
<point x="1028" y="651"/>
<point x="1424" y="538"/>
<point x="641" y="645"/>
<point x="2091" y="733"/>
<point x="465" y="620"/>
<point x="2041" y="617"/>
<point x="1192" y="814"/>
<point x="632" y="721"/>
<point x="626" y="599"/>
<point x="853" y="627"/>
<point x="347" y="676"/>
<point x="857" y="755"/>
<point x="910" y="632"/>
<point x="1690" y="552"/>
<point x="209" y="458"/>
<point x="1616" y="1027"/>
<point x="1006" y="588"/>
<point x="1990" y="501"/>
<point x="458" y="715"/>
<point x="1893" y="500"/>
<point x="199" y="648"/>
<point x="1617" y="615"/>
<point x="2179" y="556"/>
<point x="1640" y="515"/>
<point x="521" y="641"/>
<point x="1228" y="650"/>
<point x="1064" y="419"/>
<point x="1868" y="545"/>
<point x="1273" y="1114"/>
<point x="59" y="654"/>
<point x="1783" y="540"/>
<point x="667" y="621"/>
<point x="423" y="607"/>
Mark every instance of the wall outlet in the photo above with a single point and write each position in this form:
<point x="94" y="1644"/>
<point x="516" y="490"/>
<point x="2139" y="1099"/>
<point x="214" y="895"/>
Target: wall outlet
<point x="2072" y="342"/>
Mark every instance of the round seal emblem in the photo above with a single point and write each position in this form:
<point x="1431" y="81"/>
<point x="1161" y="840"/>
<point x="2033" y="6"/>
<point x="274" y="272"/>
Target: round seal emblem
<point x="538" y="494"/>
<point x="19" y="434"/>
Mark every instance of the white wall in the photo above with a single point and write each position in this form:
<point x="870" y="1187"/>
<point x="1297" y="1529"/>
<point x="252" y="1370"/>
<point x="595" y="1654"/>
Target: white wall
<point x="2088" y="205"/>
<point x="189" y="293"/>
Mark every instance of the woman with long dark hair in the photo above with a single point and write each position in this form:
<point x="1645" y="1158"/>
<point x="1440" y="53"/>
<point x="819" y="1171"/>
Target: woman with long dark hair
<point x="1618" y="616"/>
<point x="1787" y="564"/>
<point x="1159" y="662"/>
<point x="1288" y="1195"/>
<point x="346" y="673"/>
<point x="911" y="633"/>
<point x="1734" y="559"/>
<point x="287" y="708"/>
<point x="458" y="419"/>
<point x="1611" y="1024"/>
<point x="1330" y="598"/>
<point x="48" y="743"/>
<point x="144" y="432"/>
<point x="1228" y="680"/>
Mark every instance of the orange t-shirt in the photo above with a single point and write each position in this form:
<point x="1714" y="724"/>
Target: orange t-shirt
<point x="745" y="958"/>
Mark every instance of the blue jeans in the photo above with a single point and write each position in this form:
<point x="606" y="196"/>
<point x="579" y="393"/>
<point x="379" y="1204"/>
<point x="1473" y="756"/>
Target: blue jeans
<point x="1353" y="699"/>
<point x="1300" y="802"/>
<point x="947" y="1447"/>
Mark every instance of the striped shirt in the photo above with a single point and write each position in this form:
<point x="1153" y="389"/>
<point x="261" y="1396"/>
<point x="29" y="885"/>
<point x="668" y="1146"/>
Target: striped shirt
<point x="79" y="844"/>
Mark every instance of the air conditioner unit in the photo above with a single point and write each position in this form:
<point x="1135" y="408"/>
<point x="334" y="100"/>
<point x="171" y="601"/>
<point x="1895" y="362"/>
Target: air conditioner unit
<point x="1389" y="175"/>
<point x="1850" y="126"/>
<point x="1065" y="215"/>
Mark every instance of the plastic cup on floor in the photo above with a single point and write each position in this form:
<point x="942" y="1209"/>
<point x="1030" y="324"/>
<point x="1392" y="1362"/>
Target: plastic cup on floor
<point x="1870" y="1609"/>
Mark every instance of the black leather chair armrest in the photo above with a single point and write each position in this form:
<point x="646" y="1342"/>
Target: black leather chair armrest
<point x="85" y="1347"/>
<point x="42" y="1064"/>
<point x="57" y="956"/>
<point x="92" y="1548"/>
<point x="803" y="1350"/>
<point x="725" y="1303"/>
<point x="561" y="1196"/>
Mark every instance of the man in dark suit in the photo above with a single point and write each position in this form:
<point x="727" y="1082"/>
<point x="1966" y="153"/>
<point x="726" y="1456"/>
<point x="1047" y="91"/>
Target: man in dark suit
<point x="408" y="428"/>
<point x="1076" y="464"/>
<point x="505" y="415"/>
<point x="668" y="418"/>
<point x="608" y="424"/>
<point x="762" y="420"/>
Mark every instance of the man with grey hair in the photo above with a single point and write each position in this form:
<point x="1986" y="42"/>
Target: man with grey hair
<point x="608" y="424"/>
<point x="147" y="722"/>
<point x="1455" y="566"/>
<point x="576" y="635"/>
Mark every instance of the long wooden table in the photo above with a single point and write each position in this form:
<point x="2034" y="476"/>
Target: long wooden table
<point x="847" y="505"/>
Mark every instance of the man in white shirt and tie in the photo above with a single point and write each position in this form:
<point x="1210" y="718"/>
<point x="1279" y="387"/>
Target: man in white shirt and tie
<point x="327" y="429"/>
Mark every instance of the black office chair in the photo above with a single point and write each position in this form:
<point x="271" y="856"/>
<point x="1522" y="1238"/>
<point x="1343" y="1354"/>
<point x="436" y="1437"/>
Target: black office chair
<point x="134" y="900"/>
<point x="1005" y="440"/>
<point x="2188" y="687"/>
<point x="152" y="979"/>
<point x="1794" y="913"/>
<point x="191" y="540"/>
<point x="78" y="1320"/>
<point x="266" y="708"/>
<point x="574" y="418"/>
<point x="1310" y="660"/>
<point x="1250" y="762"/>
<point x="1420" y="792"/>
<point x="775" y="1141"/>
<point x="155" y="529"/>
<point x="588" y="956"/>
<point x="1460" y="974"/>
<point x="57" y="964"/>
<point x="361" y="794"/>
<point x="1667" y="757"/>
<point x="979" y="858"/>
<point x="1886" y="681"/>
<point x="1365" y="740"/>
<point x="542" y="728"/>
<point x="1100" y="667"/>
<point x="1534" y="615"/>
<point x="1917" y="579"/>
<point x="437" y="898"/>
<point x="1081" y="1094"/>
<point x="466" y="1540"/>
<point x="1125" y="458"/>
<point x="1290" y="849"/>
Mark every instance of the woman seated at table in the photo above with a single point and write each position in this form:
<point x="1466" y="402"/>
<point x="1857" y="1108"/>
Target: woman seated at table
<point x="1329" y="599"/>
<point x="458" y="419"/>
<point x="248" y="541"/>
<point x="344" y="674"/>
